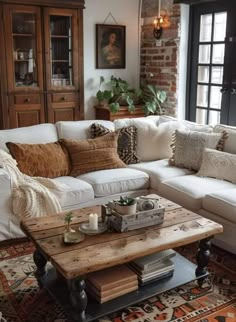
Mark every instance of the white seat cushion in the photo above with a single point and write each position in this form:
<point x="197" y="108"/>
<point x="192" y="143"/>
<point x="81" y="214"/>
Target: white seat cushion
<point x="76" y="192"/>
<point x="222" y="203"/>
<point x="110" y="182"/>
<point x="79" y="130"/>
<point x="159" y="171"/>
<point x="36" y="134"/>
<point x="188" y="191"/>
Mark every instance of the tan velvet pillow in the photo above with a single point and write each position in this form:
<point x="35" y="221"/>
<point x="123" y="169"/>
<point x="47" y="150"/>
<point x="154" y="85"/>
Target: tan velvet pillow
<point x="48" y="160"/>
<point x="93" y="154"/>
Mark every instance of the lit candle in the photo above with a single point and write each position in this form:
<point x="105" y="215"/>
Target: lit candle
<point x="93" y="221"/>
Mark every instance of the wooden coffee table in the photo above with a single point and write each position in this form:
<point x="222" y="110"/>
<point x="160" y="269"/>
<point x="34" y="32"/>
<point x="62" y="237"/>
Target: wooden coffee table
<point x="65" y="280"/>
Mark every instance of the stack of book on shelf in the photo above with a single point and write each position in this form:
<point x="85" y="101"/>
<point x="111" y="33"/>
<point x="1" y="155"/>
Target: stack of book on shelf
<point x="154" y="267"/>
<point x="110" y="283"/>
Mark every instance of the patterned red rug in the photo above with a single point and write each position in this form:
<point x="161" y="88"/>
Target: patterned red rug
<point x="22" y="301"/>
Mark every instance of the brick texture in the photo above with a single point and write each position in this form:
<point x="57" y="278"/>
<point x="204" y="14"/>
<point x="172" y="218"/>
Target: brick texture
<point x="159" y="64"/>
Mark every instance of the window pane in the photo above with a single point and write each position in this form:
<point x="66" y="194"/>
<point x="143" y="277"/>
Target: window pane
<point x="203" y="74"/>
<point x="206" y="28"/>
<point x="220" y="26"/>
<point x="217" y="75"/>
<point x="202" y="95"/>
<point x="218" y="54"/>
<point x="201" y="116"/>
<point x="204" y="54"/>
<point x="215" y="100"/>
<point x="214" y="117"/>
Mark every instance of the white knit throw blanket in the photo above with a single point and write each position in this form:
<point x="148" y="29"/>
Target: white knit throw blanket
<point x="31" y="197"/>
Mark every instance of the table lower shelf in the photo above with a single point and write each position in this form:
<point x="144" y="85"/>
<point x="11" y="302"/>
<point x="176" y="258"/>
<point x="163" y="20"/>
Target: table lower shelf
<point x="184" y="273"/>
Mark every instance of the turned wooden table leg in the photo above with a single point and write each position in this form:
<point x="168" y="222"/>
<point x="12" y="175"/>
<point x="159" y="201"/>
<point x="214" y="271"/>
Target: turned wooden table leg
<point x="40" y="262"/>
<point x="203" y="257"/>
<point x="78" y="298"/>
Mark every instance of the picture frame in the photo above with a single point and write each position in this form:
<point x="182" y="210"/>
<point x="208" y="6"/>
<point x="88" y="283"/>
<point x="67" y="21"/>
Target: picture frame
<point x="110" y="46"/>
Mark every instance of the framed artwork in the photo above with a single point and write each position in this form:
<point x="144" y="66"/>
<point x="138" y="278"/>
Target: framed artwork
<point x="110" y="46"/>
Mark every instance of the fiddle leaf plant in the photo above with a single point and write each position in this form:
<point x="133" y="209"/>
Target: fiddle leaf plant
<point x="153" y="98"/>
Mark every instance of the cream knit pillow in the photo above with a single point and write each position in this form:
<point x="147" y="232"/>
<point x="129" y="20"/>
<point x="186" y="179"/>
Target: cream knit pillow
<point x="219" y="165"/>
<point x="188" y="146"/>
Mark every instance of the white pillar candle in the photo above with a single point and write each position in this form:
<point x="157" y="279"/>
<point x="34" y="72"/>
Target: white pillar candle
<point x="93" y="221"/>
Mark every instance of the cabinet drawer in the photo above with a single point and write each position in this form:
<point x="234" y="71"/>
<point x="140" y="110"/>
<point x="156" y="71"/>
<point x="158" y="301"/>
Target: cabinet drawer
<point x="27" y="99"/>
<point x="64" y="97"/>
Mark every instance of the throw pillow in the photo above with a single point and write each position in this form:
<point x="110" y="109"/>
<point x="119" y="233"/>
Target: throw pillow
<point x="93" y="154"/>
<point x="48" y="160"/>
<point x="188" y="147"/>
<point x="230" y="144"/>
<point x="127" y="141"/>
<point x="153" y="140"/>
<point x="219" y="165"/>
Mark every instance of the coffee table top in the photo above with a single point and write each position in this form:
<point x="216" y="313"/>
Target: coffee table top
<point x="180" y="227"/>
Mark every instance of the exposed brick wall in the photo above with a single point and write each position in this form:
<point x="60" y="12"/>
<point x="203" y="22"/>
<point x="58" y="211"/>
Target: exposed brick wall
<point x="159" y="64"/>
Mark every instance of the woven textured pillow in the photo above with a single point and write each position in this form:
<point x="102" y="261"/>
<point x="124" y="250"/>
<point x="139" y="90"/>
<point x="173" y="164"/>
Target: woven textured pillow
<point x="188" y="146"/>
<point x="93" y="154"/>
<point x="219" y="165"/>
<point x="48" y="160"/>
<point x="127" y="141"/>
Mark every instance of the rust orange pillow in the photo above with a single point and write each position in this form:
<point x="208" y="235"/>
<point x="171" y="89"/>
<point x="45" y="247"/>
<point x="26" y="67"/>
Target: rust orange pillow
<point x="93" y="154"/>
<point x="48" y="160"/>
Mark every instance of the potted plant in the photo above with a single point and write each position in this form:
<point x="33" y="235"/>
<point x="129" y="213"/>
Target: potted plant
<point x="116" y="93"/>
<point x="68" y="220"/>
<point x="126" y="206"/>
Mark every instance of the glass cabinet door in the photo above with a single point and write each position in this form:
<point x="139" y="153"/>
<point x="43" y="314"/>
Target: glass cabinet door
<point x="24" y="63"/>
<point x="61" y="48"/>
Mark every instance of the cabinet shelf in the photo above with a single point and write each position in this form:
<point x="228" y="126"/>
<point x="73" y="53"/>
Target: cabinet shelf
<point x="22" y="35"/>
<point x="60" y="36"/>
<point x="60" y="61"/>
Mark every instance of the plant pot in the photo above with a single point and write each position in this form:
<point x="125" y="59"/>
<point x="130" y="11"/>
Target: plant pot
<point x="126" y="210"/>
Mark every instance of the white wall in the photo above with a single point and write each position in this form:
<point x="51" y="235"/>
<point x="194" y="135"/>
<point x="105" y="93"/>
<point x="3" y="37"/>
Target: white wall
<point x="126" y="13"/>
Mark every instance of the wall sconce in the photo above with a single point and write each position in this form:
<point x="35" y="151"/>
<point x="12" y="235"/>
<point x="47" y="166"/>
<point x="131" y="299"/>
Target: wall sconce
<point x="158" y="22"/>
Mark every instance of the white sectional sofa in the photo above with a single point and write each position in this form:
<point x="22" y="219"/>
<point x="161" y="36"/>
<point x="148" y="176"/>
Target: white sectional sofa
<point x="211" y="198"/>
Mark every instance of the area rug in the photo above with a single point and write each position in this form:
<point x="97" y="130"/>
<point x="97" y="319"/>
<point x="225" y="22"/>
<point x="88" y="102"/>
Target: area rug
<point x="22" y="301"/>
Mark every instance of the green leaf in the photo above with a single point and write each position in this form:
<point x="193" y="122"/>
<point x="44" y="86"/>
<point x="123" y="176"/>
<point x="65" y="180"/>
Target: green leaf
<point x="161" y="95"/>
<point x="107" y="95"/>
<point x="129" y="100"/>
<point x="150" y="107"/>
<point x="114" y="107"/>
<point x="100" y="96"/>
<point x="131" y="108"/>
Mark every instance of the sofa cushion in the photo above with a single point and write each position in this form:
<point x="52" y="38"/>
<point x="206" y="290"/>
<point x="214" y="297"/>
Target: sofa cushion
<point x="160" y="171"/>
<point x="110" y="182"/>
<point x="93" y="154"/>
<point x="78" y="130"/>
<point x="153" y="140"/>
<point x="75" y="192"/>
<point x="219" y="165"/>
<point x="230" y="143"/>
<point x="127" y="141"/>
<point x="42" y="133"/>
<point x="222" y="203"/>
<point x="188" y="191"/>
<point x="191" y="126"/>
<point x="48" y="160"/>
<point x="188" y="147"/>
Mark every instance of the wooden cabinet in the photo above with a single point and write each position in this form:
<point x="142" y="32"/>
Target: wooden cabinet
<point x="41" y="65"/>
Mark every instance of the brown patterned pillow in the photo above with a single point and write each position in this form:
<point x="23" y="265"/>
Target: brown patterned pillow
<point x="49" y="160"/>
<point x="93" y="154"/>
<point x="127" y="141"/>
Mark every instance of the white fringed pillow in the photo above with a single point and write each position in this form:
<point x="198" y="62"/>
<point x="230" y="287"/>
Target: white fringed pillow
<point x="219" y="165"/>
<point x="188" y="146"/>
